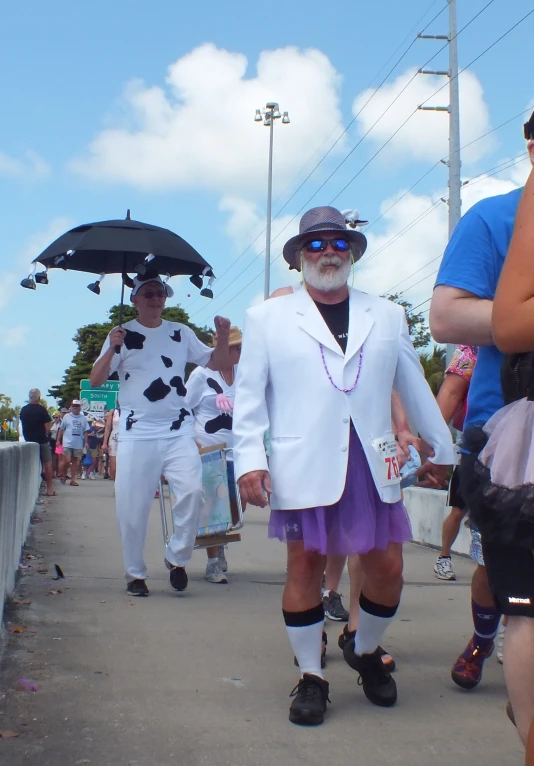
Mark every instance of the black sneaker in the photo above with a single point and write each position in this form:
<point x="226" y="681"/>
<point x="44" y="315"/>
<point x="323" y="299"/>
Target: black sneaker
<point x="323" y="652"/>
<point x="137" y="588"/>
<point x="348" y="636"/>
<point x="378" y="685"/>
<point x="333" y="608"/>
<point x="309" y="706"/>
<point x="177" y="577"/>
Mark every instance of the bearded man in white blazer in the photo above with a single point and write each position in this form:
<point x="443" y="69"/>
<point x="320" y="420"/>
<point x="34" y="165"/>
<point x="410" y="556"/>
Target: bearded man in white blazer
<point x="317" y="370"/>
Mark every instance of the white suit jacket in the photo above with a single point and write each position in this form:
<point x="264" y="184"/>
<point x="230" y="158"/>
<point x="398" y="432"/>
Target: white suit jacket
<point x="282" y="385"/>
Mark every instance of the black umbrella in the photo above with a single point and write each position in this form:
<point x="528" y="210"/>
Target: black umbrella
<point x="122" y="247"/>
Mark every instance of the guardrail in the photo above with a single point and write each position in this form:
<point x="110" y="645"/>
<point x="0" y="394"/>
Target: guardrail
<point x="19" y="490"/>
<point x="427" y="508"/>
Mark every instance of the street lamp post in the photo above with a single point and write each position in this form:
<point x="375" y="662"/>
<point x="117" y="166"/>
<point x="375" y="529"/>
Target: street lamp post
<point x="268" y="115"/>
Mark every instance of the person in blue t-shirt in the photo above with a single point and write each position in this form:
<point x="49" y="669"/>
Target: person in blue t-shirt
<point x="460" y="313"/>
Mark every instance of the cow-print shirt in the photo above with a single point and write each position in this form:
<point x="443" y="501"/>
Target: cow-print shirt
<point x="211" y="425"/>
<point x="151" y="368"/>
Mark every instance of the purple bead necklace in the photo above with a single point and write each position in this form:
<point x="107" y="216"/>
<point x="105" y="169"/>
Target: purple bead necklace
<point x="343" y="390"/>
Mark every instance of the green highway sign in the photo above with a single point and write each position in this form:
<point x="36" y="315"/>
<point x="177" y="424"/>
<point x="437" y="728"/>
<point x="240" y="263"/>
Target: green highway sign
<point x="109" y="385"/>
<point x="98" y="399"/>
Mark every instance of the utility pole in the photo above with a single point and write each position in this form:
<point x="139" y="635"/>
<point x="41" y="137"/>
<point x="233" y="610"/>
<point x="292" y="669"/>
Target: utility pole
<point x="454" y="161"/>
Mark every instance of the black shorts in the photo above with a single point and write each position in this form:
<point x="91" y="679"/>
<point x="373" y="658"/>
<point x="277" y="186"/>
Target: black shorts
<point x="455" y="498"/>
<point x="510" y="571"/>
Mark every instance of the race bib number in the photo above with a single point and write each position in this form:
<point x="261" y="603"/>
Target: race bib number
<point x="76" y="427"/>
<point x="387" y="462"/>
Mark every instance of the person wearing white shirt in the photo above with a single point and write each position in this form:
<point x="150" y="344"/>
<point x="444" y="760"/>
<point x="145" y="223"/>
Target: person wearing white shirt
<point x="210" y="395"/>
<point x="156" y="429"/>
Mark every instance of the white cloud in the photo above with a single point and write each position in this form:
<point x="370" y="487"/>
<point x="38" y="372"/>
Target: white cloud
<point x="198" y="130"/>
<point x="38" y="241"/>
<point x="407" y="264"/>
<point x="246" y="226"/>
<point x="425" y="136"/>
<point x="30" y="249"/>
<point x="13" y="337"/>
<point x="31" y="167"/>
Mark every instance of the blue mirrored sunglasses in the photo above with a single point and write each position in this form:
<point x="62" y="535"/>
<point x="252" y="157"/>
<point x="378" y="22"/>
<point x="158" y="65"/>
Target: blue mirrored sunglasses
<point x="318" y="245"/>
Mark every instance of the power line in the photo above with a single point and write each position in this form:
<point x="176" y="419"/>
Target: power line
<point x="373" y="94"/>
<point x="443" y="161"/>
<point x="486" y="50"/>
<point x="476" y="179"/>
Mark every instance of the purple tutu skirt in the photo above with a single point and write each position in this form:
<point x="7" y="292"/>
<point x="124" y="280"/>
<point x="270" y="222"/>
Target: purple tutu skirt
<point x="358" y="523"/>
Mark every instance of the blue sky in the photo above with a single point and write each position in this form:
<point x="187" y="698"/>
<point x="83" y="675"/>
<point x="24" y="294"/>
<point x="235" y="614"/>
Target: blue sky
<point x="118" y="105"/>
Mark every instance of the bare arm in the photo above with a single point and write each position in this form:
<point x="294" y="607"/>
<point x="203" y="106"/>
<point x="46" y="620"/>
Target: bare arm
<point x="458" y="316"/>
<point x="107" y="429"/>
<point x="220" y="359"/>
<point x="451" y="395"/>
<point x="101" y="368"/>
<point x="513" y="314"/>
<point x="47" y="426"/>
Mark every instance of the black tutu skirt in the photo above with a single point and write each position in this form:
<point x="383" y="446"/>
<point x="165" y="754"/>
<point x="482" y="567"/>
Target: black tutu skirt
<point x="497" y="475"/>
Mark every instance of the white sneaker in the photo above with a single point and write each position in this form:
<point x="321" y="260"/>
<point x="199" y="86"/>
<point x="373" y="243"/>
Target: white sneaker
<point x="444" y="569"/>
<point x="221" y="558"/>
<point x="84" y="475"/>
<point x="500" y="643"/>
<point x="214" y="572"/>
<point x="92" y="476"/>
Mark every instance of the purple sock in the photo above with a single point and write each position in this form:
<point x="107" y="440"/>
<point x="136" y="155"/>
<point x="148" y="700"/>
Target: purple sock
<point x="486" y="621"/>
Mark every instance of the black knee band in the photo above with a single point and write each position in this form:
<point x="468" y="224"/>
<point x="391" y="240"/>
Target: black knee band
<point x="302" y="619"/>
<point x="377" y="610"/>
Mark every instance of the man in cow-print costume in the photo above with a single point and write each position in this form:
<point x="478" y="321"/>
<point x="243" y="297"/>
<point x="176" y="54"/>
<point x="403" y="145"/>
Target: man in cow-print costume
<point x="156" y="433"/>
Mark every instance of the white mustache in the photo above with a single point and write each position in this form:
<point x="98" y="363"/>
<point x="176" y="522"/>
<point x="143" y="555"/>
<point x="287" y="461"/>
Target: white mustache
<point x="330" y="260"/>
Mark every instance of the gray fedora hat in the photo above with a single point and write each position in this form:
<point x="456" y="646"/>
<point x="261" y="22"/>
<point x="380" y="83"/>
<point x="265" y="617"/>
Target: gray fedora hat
<point x="322" y="220"/>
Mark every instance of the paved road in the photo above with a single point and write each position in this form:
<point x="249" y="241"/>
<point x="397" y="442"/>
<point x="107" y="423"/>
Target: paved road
<point x="203" y="677"/>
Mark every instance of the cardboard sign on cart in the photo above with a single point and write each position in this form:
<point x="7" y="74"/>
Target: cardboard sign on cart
<point x="220" y="516"/>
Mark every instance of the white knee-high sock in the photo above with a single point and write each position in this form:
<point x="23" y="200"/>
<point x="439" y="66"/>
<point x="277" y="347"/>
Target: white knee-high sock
<point x="374" y="619"/>
<point x="305" y="631"/>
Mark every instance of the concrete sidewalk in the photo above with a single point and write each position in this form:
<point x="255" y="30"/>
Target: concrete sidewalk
<point x="203" y="677"/>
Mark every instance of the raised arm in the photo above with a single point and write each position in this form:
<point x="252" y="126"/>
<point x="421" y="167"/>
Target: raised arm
<point x="513" y="313"/>
<point x="102" y="367"/>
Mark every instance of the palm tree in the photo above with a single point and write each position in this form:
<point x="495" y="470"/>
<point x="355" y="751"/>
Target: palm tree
<point x="434" y="367"/>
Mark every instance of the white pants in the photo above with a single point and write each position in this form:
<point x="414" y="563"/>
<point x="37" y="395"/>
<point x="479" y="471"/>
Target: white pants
<point x="140" y="464"/>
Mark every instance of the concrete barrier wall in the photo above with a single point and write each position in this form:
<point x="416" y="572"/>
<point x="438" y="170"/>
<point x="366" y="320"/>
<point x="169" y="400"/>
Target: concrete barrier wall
<point x="427" y="508"/>
<point x="19" y="490"/>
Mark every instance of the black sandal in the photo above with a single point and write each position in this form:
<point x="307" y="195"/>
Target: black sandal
<point x="349" y="635"/>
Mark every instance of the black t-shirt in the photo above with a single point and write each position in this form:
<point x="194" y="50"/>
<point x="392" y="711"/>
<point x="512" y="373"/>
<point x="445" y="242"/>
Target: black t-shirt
<point x="336" y="316"/>
<point x="33" y="418"/>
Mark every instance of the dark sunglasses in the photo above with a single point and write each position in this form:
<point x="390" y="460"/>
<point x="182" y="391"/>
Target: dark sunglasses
<point x="148" y="294"/>
<point x="318" y="245"/>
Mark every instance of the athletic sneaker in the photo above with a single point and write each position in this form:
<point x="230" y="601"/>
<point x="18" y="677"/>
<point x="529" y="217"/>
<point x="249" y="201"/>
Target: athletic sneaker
<point x="467" y="670"/>
<point x="137" y="588"/>
<point x="309" y="706"/>
<point x="444" y="568"/>
<point x="333" y="607"/>
<point x="214" y="572"/>
<point x="177" y="576"/>
<point x="84" y="476"/>
<point x="378" y="685"/>
<point x="500" y="643"/>
<point x="222" y="558"/>
<point x="92" y="476"/>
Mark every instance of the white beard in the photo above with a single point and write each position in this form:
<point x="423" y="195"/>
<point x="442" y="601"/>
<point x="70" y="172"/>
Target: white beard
<point x="326" y="280"/>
